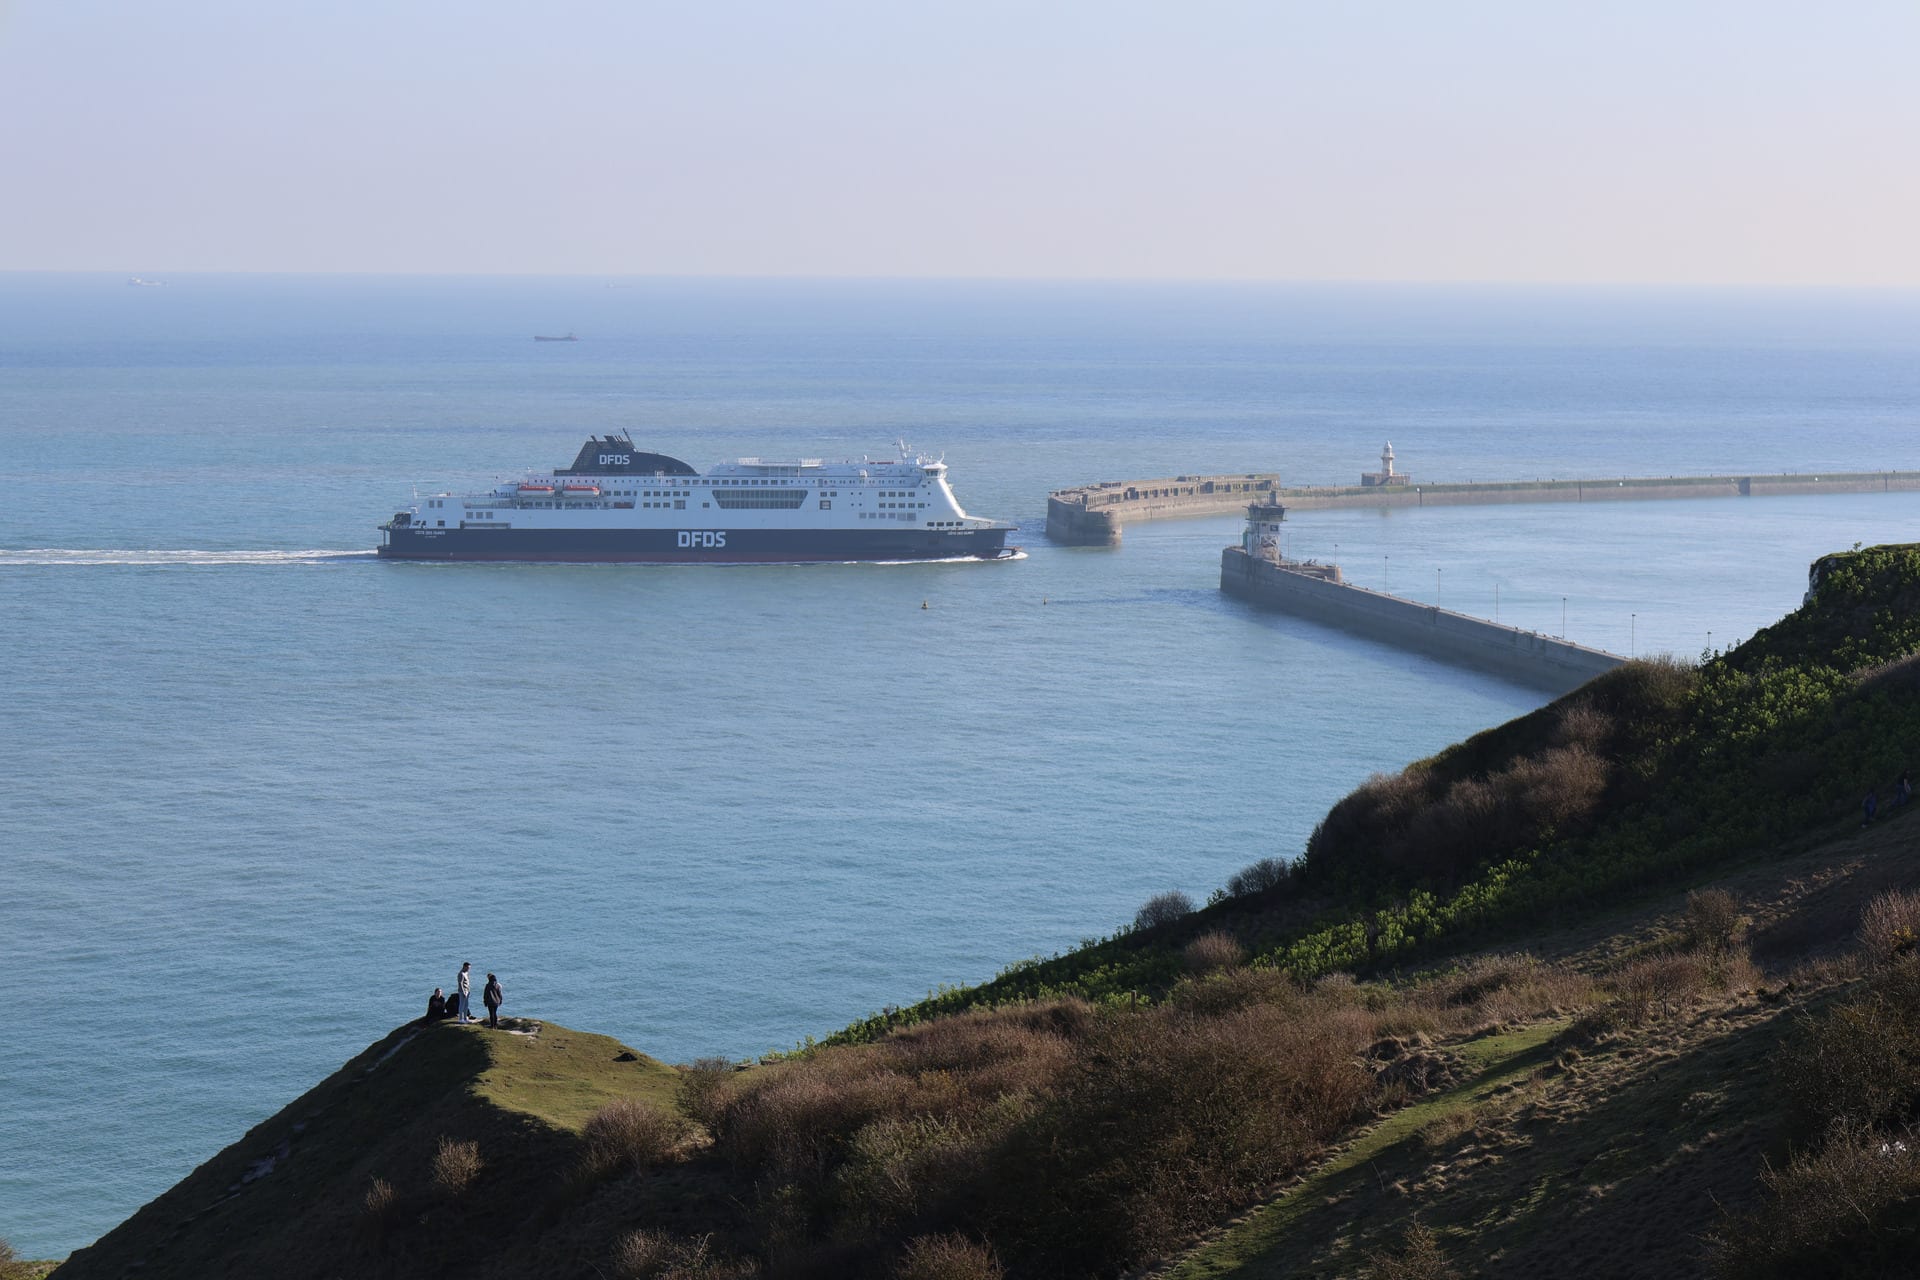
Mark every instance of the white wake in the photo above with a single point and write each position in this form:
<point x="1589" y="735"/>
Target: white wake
<point x="30" y="557"/>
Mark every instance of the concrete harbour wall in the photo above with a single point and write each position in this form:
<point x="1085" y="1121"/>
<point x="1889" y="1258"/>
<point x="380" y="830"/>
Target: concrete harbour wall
<point x="1523" y="656"/>
<point x="1094" y="514"/>
<point x="1624" y="489"/>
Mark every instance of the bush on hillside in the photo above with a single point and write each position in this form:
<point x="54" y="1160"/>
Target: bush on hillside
<point x="1166" y="1121"/>
<point x="1211" y="952"/>
<point x="658" y="1255"/>
<point x="1259" y="877"/>
<point x="456" y="1165"/>
<point x="1851" y="1208"/>
<point x="1890" y="928"/>
<point x="631" y="1134"/>
<point x="1659" y="986"/>
<point x="1859" y="1064"/>
<point x="1419" y="1257"/>
<point x="1712" y="921"/>
<point x="1162" y="909"/>
<point x="948" y="1257"/>
<point x="700" y="1087"/>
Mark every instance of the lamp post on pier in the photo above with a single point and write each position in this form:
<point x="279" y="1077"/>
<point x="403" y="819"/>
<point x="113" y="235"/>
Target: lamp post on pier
<point x="1436" y="588"/>
<point x="1563" y="617"/>
<point x="1633" y="636"/>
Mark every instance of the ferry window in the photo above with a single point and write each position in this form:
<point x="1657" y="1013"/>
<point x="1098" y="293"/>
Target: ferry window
<point x="679" y="504"/>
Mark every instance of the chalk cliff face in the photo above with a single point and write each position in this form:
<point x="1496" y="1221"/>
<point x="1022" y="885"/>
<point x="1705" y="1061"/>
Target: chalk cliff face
<point x="1537" y="1005"/>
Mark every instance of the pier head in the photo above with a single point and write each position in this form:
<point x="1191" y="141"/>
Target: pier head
<point x="1092" y="515"/>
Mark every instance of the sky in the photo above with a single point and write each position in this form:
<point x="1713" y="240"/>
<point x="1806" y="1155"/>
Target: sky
<point x="1679" y="142"/>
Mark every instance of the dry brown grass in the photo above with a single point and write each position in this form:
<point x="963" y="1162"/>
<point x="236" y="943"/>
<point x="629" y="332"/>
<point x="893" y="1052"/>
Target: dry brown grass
<point x="1501" y="990"/>
<point x="658" y="1255"/>
<point x="1890" y="928"/>
<point x="456" y="1165"/>
<point x="797" y="1116"/>
<point x="1713" y="921"/>
<point x="1844" y="1210"/>
<point x="948" y="1257"/>
<point x="1211" y="952"/>
<point x="1419" y="1257"/>
<point x="631" y="1133"/>
<point x="380" y="1200"/>
<point x="1658" y="986"/>
<point x="700" y="1089"/>
<point x="1167" y="1120"/>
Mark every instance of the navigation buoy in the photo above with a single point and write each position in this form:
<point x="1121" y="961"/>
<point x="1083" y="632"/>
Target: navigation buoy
<point x="923" y="604"/>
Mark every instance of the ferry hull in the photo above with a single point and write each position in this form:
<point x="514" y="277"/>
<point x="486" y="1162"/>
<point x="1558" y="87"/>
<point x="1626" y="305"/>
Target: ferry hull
<point x="674" y="546"/>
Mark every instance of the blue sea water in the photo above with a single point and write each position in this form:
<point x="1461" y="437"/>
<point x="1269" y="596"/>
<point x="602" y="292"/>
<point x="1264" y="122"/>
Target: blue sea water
<point x="262" y="792"/>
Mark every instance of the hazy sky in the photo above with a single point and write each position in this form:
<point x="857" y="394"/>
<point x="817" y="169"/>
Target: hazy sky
<point x="1746" y="142"/>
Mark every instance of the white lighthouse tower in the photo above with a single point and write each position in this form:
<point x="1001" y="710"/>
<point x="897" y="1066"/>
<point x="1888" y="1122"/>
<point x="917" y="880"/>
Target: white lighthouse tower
<point x="1386" y="474"/>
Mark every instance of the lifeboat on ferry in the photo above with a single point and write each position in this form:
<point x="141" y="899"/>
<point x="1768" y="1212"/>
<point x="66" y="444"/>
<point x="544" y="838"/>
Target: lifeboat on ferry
<point x="580" y="490"/>
<point x="536" y="491"/>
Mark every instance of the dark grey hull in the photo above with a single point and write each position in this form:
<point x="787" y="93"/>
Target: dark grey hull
<point x="681" y="546"/>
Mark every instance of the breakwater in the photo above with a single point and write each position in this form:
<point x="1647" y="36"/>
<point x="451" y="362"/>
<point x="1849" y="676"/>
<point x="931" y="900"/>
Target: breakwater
<point x="1621" y="489"/>
<point x="1094" y="514"/>
<point x="1318" y="593"/>
<point x="1091" y="515"/>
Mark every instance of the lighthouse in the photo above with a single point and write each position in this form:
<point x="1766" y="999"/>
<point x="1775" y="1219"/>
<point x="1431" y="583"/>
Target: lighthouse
<point x="1386" y="474"/>
<point x="1262" y="538"/>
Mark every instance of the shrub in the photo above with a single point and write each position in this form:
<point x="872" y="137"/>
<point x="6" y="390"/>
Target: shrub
<point x="947" y="1257"/>
<point x="1211" y="952"/>
<point x="456" y="1165"/>
<point x="656" y="1255"/>
<point x="1890" y="927"/>
<point x="1166" y="1121"/>
<point x="1712" y="921"/>
<point x="895" y="1165"/>
<point x="1860" y="1063"/>
<point x="1163" y="909"/>
<point x="699" y="1089"/>
<point x="1847" y="1209"/>
<point x="379" y="1200"/>
<point x="1419" y="1257"/>
<point x="1659" y="984"/>
<point x="1268" y="873"/>
<point x="631" y="1133"/>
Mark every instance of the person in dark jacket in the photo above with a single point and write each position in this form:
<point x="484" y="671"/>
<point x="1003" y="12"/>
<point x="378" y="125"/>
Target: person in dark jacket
<point x="494" y="997"/>
<point x="436" y="1006"/>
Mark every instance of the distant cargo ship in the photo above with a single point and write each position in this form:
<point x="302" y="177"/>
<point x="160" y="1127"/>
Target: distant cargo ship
<point x="554" y="337"/>
<point x="618" y="503"/>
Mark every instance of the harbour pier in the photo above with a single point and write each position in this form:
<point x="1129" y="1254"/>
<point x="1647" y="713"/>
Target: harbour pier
<point x="1319" y="593"/>
<point x="1091" y="515"/>
<point x="1094" y="514"/>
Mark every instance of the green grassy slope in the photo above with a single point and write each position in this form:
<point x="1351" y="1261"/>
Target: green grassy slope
<point x="287" y="1199"/>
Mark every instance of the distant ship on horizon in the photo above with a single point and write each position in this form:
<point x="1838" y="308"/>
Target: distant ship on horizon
<point x="555" y="337"/>
<point x="135" y="282"/>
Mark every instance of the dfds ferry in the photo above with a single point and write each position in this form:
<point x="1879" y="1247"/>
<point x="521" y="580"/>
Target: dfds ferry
<point x="617" y="503"/>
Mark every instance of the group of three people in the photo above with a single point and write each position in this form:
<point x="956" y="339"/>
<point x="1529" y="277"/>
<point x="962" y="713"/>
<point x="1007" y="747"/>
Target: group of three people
<point x="457" y="1006"/>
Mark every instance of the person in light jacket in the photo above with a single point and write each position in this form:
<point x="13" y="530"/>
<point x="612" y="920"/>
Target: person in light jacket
<point x="493" y="997"/>
<point x="465" y="983"/>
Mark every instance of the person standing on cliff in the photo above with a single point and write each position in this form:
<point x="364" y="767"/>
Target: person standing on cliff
<point x="465" y="983"/>
<point x="493" y="997"/>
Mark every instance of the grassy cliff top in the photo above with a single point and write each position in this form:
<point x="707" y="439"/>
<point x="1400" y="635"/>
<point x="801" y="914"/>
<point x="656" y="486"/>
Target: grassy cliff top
<point x="282" y="1199"/>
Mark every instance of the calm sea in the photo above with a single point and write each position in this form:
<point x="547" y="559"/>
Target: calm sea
<point x="262" y="793"/>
